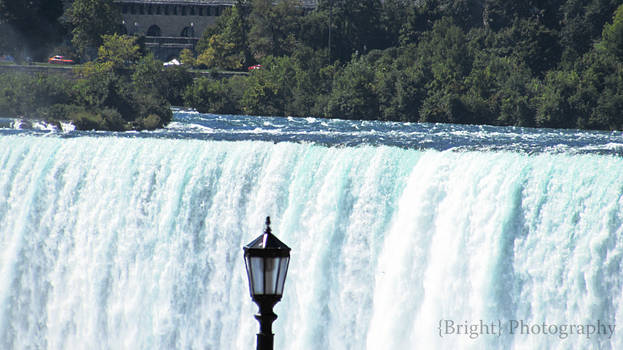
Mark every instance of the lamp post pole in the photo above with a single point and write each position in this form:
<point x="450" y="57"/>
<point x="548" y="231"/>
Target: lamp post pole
<point x="266" y="259"/>
<point x="266" y="317"/>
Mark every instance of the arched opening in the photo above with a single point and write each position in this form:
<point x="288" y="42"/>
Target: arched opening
<point x="188" y="32"/>
<point x="154" y="30"/>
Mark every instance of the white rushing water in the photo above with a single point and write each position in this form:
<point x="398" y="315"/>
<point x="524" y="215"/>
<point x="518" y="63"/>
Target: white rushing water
<point x="120" y="243"/>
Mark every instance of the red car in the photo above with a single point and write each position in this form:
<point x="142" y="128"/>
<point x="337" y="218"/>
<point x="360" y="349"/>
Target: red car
<point x="60" y="60"/>
<point x="257" y="66"/>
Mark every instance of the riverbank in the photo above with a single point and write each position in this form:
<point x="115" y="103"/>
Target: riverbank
<point x="94" y="96"/>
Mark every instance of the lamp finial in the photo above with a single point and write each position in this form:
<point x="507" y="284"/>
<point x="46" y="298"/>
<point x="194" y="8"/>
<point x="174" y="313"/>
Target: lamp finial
<point x="267" y="229"/>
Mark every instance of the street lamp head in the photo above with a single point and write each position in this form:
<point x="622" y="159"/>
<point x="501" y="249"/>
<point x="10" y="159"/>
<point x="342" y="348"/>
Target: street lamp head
<point x="266" y="259"/>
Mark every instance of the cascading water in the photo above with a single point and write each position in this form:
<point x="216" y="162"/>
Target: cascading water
<point x="116" y="242"/>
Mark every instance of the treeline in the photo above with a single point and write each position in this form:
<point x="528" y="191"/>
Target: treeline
<point x="34" y="30"/>
<point x="118" y="87"/>
<point x="122" y="90"/>
<point x="545" y="63"/>
<point x="552" y="63"/>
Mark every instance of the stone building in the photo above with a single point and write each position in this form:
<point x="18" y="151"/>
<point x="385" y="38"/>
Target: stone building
<point x="172" y="25"/>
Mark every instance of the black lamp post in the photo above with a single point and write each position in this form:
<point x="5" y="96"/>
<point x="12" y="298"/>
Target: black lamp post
<point x="266" y="259"/>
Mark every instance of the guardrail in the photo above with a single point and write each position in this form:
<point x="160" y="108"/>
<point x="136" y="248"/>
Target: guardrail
<point x="34" y="68"/>
<point x="68" y="70"/>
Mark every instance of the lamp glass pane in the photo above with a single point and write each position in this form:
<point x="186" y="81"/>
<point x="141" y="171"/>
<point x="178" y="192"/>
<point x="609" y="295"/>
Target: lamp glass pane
<point x="282" y="274"/>
<point x="271" y="270"/>
<point x="247" y="263"/>
<point x="257" y="271"/>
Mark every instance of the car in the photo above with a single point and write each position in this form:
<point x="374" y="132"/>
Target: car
<point x="7" y="59"/>
<point x="60" y="60"/>
<point x="254" y="67"/>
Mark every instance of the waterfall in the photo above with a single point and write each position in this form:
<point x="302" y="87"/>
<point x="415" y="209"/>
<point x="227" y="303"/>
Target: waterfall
<point x="136" y="243"/>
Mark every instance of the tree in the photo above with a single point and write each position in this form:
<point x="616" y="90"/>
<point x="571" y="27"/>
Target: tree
<point x="599" y="92"/>
<point x="220" y="96"/>
<point x="274" y="28"/>
<point x="444" y="52"/>
<point x="187" y="58"/>
<point x="121" y="50"/>
<point x="465" y="13"/>
<point x="555" y="105"/>
<point x="582" y="23"/>
<point x="314" y="79"/>
<point x="220" y="54"/>
<point x="101" y="86"/>
<point x="90" y="20"/>
<point x="399" y="83"/>
<point x="30" y="28"/>
<point x="394" y="15"/>
<point x="356" y="26"/>
<point x="531" y="43"/>
<point x="111" y="99"/>
<point x="225" y="46"/>
<point x="31" y="96"/>
<point x="498" y="14"/>
<point x="445" y="107"/>
<point x="353" y="95"/>
<point x="270" y="90"/>
<point x="501" y="91"/>
<point x="612" y="35"/>
<point x="314" y="30"/>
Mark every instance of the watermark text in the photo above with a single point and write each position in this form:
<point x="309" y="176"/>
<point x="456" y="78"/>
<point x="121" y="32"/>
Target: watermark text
<point x="475" y="329"/>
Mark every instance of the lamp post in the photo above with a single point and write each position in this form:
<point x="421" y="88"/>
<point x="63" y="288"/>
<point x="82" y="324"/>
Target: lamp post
<point x="330" y="27"/>
<point x="191" y="37"/>
<point x="266" y="259"/>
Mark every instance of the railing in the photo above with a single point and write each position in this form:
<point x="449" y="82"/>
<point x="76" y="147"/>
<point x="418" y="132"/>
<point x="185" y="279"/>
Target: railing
<point x="170" y="40"/>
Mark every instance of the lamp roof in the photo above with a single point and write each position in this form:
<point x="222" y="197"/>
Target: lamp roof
<point x="267" y="244"/>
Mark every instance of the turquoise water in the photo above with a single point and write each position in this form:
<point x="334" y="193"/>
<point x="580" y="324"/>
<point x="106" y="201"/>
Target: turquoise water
<point x="399" y="234"/>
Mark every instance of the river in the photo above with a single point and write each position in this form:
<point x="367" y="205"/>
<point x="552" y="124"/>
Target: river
<point x="403" y="236"/>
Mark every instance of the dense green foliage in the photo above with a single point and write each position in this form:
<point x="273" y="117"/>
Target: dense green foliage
<point x="554" y="63"/>
<point x="118" y="88"/>
<point x="546" y="63"/>
<point x="90" y="20"/>
<point x="30" y="28"/>
<point x="36" y="29"/>
<point x="119" y="91"/>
